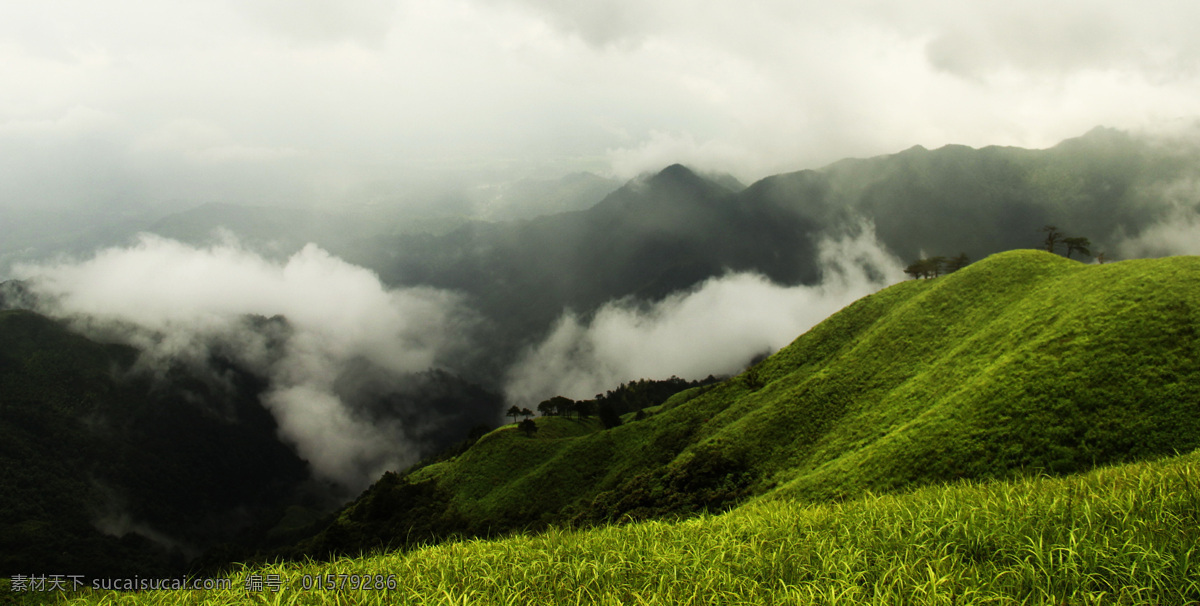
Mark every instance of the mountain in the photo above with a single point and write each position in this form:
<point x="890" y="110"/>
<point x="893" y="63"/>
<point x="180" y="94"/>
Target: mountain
<point x="114" y="465"/>
<point x="529" y="198"/>
<point x="653" y="236"/>
<point x="37" y="234"/>
<point x="824" y="419"/>
<point x="1019" y="364"/>
<point x="665" y="233"/>
<point x="282" y="231"/>
<point x="107" y="468"/>
<point x="668" y="232"/>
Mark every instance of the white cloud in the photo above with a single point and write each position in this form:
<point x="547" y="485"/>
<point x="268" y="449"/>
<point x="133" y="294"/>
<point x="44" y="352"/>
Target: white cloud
<point x="175" y="302"/>
<point x="366" y="22"/>
<point x="715" y="329"/>
<point x="195" y="141"/>
<point x="335" y="95"/>
<point x="1177" y="232"/>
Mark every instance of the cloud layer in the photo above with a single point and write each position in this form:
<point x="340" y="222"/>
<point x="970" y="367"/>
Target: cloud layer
<point x="1177" y="232"/>
<point x="178" y="302"/>
<point x="715" y="329"/>
<point x="321" y="101"/>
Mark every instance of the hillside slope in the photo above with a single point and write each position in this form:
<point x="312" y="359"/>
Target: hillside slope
<point x="1125" y="534"/>
<point x="1024" y="362"/>
<point x="108" y="469"/>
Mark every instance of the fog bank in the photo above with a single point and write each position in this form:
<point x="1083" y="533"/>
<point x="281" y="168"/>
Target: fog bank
<point x="716" y="328"/>
<point x="177" y="302"/>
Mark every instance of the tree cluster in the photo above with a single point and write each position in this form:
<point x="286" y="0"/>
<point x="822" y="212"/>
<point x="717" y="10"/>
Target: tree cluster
<point x="933" y="267"/>
<point x="1074" y="244"/>
<point x="609" y="406"/>
<point x="515" y="412"/>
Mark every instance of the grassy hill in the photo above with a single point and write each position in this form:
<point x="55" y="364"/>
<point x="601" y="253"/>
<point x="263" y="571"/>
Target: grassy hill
<point x="1009" y="433"/>
<point x="1117" y="535"/>
<point x="1022" y="363"/>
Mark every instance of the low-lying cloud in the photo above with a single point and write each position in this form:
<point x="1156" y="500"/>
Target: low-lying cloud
<point x="176" y="302"/>
<point x="1177" y="233"/>
<point x="717" y="328"/>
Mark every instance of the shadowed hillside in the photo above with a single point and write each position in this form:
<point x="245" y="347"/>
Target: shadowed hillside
<point x="108" y="469"/>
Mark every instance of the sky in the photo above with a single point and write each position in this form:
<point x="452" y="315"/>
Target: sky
<point x="352" y="101"/>
<point x="136" y="104"/>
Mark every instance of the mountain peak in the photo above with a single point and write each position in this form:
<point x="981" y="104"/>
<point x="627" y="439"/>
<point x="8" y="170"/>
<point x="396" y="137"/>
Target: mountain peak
<point x="676" y="173"/>
<point x="1098" y="137"/>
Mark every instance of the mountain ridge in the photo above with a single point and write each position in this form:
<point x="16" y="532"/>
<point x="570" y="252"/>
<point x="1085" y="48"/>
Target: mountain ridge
<point x="923" y="382"/>
<point x="669" y="231"/>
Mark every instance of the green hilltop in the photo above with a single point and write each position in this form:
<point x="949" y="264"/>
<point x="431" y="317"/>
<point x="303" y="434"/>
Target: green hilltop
<point x="1009" y="433"/>
<point x="1022" y="363"/>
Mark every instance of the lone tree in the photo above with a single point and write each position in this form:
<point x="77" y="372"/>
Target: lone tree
<point x="528" y="427"/>
<point x="513" y="412"/>
<point x="1053" y="237"/>
<point x="1079" y="244"/>
<point x="525" y="412"/>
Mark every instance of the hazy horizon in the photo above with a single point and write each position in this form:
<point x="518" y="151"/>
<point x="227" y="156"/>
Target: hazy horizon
<point x="322" y="102"/>
<point x="115" y="115"/>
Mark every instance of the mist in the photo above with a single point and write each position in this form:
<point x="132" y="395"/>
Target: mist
<point x="320" y="101"/>
<point x="1177" y="232"/>
<point x="180" y="303"/>
<point x="716" y="328"/>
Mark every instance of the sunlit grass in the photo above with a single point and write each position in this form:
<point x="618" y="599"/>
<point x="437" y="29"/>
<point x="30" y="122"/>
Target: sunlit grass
<point x="1122" y="535"/>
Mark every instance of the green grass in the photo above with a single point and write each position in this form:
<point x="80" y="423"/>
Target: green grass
<point x="929" y="444"/>
<point x="1127" y="534"/>
<point x="1022" y="363"/>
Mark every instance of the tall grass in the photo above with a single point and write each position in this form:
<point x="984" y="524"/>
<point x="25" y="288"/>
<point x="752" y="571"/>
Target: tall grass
<point x="1128" y="534"/>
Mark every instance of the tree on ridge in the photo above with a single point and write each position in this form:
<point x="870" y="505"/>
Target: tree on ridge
<point x="1077" y="244"/>
<point x="1053" y="237"/>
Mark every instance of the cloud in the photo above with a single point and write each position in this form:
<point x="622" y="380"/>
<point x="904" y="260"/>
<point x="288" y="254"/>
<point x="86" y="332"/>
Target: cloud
<point x="663" y="149"/>
<point x="365" y="22"/>
<point x="178" y="302"/>
<point x="1177" y="232"/>
<point x="205" y="143"/>
<point x="983" y="40"/>
<point x="716" y="328"/>
<point x="601" y="24"/>
<point x="335" y="96"/>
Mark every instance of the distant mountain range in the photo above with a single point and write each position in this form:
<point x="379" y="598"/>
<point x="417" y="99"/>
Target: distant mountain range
<point x="886" y="394"/>
<point x="666" y="232"/>
<point x="670" y="231"/>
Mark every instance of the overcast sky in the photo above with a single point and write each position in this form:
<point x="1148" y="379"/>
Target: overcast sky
<point x="270" y="101"/>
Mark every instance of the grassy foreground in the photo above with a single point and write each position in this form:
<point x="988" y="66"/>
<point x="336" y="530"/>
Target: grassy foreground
<point x="1128" y="534"/>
